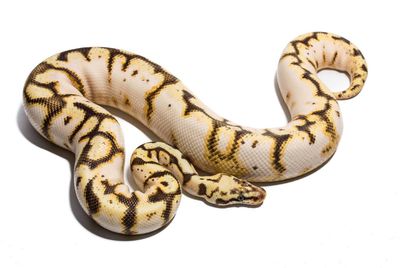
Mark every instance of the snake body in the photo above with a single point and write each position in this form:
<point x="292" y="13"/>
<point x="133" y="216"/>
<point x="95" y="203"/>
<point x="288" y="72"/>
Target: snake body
<point x="62" y="97"/>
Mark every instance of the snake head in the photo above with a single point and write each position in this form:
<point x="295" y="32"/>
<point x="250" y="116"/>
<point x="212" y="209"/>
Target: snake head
<point x="226" y="190"/>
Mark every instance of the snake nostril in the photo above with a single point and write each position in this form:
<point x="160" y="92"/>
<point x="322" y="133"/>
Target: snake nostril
<point x="240" y="197"/>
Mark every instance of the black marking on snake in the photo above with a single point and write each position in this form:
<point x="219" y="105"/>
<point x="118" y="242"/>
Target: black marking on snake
<point x="280" y="142"/>
<point x="339" y="38"/>
<point x="158" y="174"/>
<point x="277" y="154"/>
<point x="129" y="219"/>
<point x="129" y="56"/>
<point x="187" y="177"/>
<point x="168" y="198"/>
<point x="299" y="64"/>
<point x="111" y="57"/>
<point x="89" y="112"/>
<point x="174" y="141"/>
<point x="317" y="85"/>
<point x="298" y="61"/>
<point x="330" y="128"/>
<point x="364" y="68"/>
<point x="150" y="215"/>
<point x="212" y="145"/>
<point x="91" y="198"/>
<point x="44" y="66"/>
<point x="78" y="181"/>
<point x="103" y="134"/>
<point x="108" y="188"/>
<point x="305" y="41"/>
<point x="51" y="86"/>
<point x="139" y="161"/>
<point x="334" y="58"/>
<point x="113" y="53"/>
<point x="94" y="163"/>
<point x="174" y="160"/>
<point x="202" y="191"/>
<point x="306" y="71"/>
<point x="54" y="104"/>
<point x="83" y="158"/>
<point x="306" y="128"/>
<point x="356" y="52"/>
<point x="312" y="63"/>
<point x="127" y="102"/>
<point x="212" y="141"/>
<point x="291" y="54"/>
<point x="190" y="107"/>
<point x="216" y="123"/>
<point x="168" y="78"/>
<point x="238" y="135"/>
<point x="126" y="63"/>
<point x="218" y="179"/>
<point x="63" y="56"/>
<point x="354" y="87"/>
<point x="74" y="78"/>
<point x="254" y="144"/>
<point x="240" y="198"/>
<point x="67" y="119"/>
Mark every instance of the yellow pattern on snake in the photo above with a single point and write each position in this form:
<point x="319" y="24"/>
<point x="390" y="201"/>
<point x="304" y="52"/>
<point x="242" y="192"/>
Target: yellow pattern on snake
<point x="60" y="96"/>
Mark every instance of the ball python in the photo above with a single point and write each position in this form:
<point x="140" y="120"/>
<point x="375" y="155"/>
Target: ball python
<point x="62" y="98"/>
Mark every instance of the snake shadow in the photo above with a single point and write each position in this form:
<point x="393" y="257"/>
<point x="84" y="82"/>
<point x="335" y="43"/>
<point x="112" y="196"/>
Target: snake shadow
<point x="88" y="223"/>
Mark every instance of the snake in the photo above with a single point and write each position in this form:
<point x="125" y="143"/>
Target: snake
<point x="65" y="98"/>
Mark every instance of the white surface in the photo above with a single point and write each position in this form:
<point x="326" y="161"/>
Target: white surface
<point x="344" y="215"/>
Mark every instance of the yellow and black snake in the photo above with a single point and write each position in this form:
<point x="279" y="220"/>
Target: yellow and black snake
<point x="60" y="96"/>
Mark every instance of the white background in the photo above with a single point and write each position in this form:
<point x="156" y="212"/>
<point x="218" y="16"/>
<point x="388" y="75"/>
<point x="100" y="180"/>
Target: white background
<point x="344" y="215"/>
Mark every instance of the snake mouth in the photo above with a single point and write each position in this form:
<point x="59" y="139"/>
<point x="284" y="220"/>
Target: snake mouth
<point x="256" y="198"/>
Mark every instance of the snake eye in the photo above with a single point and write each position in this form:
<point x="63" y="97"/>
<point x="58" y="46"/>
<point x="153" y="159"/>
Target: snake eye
<point x="240" y="197"/>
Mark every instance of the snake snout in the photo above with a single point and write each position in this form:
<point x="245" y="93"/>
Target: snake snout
<point x="260" y="196"/>
<point x="255" y="196"/>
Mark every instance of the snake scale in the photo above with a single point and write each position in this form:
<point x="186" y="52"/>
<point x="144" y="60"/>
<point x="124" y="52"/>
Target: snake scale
<point x="62" y="98"/>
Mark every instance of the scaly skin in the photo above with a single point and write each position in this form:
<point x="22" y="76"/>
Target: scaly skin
<point x="60" y="96"/>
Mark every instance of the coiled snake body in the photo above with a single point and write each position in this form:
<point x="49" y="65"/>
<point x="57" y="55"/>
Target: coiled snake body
<point x="60" y="96"/>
